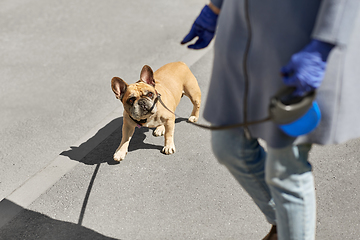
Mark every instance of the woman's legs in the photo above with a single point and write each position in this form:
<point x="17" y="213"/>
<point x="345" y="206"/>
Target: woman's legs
<point x="291" y="182"/>
<point x="288" y="181"/>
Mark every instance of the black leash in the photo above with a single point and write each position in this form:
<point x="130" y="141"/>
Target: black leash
<point x="216" y="127"/>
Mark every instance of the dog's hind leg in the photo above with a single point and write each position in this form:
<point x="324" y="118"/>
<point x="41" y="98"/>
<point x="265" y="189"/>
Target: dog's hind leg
<point x="194" y="93"/>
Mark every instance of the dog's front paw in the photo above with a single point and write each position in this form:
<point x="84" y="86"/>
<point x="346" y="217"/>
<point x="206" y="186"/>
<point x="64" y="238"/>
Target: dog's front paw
<point x="168" y="150"/>
<point x="159" y="131"/>
<point x="192" y="119"/>
<point x="119" y="155"/>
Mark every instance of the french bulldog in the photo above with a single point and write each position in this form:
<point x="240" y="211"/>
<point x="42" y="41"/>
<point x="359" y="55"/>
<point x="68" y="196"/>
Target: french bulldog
<point x="143" y="109"/>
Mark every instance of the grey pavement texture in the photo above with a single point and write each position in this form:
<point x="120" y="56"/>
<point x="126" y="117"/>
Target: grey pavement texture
<point x="56" y="62"/>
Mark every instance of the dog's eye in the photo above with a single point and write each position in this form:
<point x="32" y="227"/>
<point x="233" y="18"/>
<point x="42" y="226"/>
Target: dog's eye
<point x="150" y="95"/>
<point x="131" y="100"/>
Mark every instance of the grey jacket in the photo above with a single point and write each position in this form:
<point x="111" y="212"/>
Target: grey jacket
<point x="255" y="38"/>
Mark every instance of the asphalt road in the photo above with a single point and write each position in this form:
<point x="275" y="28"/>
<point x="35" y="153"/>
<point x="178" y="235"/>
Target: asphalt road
<point x="60" y="125"/>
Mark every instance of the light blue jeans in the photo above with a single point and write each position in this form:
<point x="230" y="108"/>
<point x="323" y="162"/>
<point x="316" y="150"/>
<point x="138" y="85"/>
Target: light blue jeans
<point x="279" y="181"/>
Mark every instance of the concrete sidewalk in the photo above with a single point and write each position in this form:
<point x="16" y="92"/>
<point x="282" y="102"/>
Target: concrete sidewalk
<point x="187" y="195"/>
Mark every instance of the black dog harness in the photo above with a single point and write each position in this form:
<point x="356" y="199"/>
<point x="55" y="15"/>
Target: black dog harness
<point x="139" y="123"/>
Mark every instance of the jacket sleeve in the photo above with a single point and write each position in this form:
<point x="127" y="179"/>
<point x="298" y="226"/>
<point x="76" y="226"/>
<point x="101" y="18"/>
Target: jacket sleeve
<point x="217" y="3"/>
<point x="336" y="20"/>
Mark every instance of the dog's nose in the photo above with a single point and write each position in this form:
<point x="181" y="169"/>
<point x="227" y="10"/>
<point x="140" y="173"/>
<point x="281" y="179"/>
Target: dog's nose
<point x="142" y="104"/>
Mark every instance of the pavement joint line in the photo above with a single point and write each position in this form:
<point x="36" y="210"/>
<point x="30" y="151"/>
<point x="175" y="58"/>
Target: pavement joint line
<point x="22" y="197"/>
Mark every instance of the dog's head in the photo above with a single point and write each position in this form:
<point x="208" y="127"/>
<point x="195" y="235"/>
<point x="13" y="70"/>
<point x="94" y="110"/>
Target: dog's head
<point x="139" y="98"/>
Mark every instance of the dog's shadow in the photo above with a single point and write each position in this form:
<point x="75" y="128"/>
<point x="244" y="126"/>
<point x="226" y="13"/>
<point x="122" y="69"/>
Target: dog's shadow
<point x="101" y="147"/>
<point x="137" y="140"/>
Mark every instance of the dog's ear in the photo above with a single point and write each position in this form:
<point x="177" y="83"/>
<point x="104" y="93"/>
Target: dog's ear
<point x="119" y="87"/>
<point x="147" y="75"/>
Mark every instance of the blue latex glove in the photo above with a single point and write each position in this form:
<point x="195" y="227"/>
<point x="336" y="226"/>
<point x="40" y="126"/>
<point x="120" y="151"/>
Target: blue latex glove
<point x="203" y="27"/>
<point x="306" y="68"/>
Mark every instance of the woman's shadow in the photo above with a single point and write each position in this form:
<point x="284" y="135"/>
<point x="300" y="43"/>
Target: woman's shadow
<point x="101" y="147"/>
